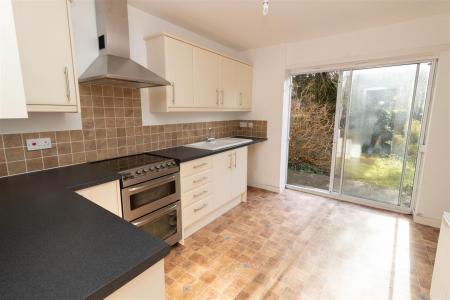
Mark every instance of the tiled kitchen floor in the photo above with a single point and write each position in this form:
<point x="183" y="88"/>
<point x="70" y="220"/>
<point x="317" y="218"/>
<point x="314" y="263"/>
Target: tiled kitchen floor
<point x="299" y="246"/>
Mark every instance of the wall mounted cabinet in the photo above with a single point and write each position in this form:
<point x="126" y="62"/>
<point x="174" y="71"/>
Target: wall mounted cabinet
<point x="46" y="53"/>
<point x="202" y="80"/>
<point x="172" y="60"/>
<point x="206" y="79"/>
<point x="12" y="94"/>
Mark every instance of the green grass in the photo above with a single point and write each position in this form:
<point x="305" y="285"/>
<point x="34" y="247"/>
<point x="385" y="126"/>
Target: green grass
<point x="380" y="171"/>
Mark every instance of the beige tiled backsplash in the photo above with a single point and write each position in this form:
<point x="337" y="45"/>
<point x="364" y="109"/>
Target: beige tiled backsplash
<point x="112" y="126"/>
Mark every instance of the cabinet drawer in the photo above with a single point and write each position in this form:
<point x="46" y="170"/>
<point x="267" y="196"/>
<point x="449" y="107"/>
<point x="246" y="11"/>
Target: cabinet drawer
<point x="196" y="211"/>
<point x="196" y="194"/>
<point x="196" y="180"/>
<point x="195" y="166"/>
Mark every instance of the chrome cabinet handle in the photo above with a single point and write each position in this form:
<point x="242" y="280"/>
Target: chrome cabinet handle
<point x="66" y="74"/>
<point x="200" y="165"/>
<point x="217" y="97"/>
<point x="231" y="160"/>
<point x="149" y="186"/>
<point x="240" y="98"/>
<point x="200" y="208"/>
<point x="160" y="213"/>
<point x="199" y="194"/>
<point x="222" y="96"/>
<point x="235" y="159"/>
<point x="173" y="92"/>
<point x="200" y="180"/>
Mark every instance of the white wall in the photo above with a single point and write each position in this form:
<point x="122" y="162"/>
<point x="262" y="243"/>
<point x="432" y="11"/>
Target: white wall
<point x="419" y="38"/>
<point x="268" y="75"/>
<point x="434" y="192"/>
<point x="141" y="25"/>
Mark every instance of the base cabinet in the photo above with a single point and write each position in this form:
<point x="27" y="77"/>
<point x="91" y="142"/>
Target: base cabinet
<point x="440" y="283"/>
<point x="238" y="172"/>
<point x="211" y="186"/>
<point x="106" y="195"/>
<point x="148" y="285"/>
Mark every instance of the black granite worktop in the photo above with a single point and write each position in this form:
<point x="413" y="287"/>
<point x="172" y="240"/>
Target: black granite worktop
<point x="184" y="154"/>
<point x="56" y="244"/>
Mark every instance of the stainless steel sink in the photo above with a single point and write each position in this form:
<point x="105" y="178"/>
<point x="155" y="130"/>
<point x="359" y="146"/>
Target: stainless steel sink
<point x="218" y="144"/>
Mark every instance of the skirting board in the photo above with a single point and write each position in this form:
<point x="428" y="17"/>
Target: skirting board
<point x="266" y="187"/>
<point x="427" y="221"/>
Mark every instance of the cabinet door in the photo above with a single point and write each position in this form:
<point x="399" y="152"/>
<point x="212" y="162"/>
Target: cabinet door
<point x="45" y="47"/>
<point x="229" y="82"/>
<point x="245" y="86"/>
<point x="179" y="70"/>
<point x="12" y="94"/>
<point x="239" y="172"/>
<point x="206" y="79"/>
<point x="106" y="195"/>
<point x="222" y="164"/>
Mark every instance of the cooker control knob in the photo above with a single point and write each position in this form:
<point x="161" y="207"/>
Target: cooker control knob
<point x="152" y="169"/>
<point x="139" y="172"/>
<point x="162" y="166"/>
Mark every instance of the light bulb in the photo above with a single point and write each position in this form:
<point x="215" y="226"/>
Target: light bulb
<point x="265" y="7"/>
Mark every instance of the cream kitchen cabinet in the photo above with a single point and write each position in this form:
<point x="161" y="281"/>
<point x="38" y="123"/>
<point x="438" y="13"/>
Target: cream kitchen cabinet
<point x="106" y="195"/>
<point x="238" y="172"/>
<point x="150" y="284"/>
<point x="206" y="79"/>
<point x="46" y="53"/>
<point x="244" y="87"/>
<point x="173" y="60"/>
<point x="211" y="186"/>
<point x="202" y="80"/>
<point x="229" y="87"/>
<point x="440" y="283"/>
<point x="12" y="94"/>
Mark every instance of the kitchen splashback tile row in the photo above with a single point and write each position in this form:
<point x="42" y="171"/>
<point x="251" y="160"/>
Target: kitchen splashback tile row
<point x="111" y="127"/>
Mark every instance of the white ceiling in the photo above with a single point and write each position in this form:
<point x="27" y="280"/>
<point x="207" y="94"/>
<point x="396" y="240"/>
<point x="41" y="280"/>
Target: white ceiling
<point x="240" y="24"/>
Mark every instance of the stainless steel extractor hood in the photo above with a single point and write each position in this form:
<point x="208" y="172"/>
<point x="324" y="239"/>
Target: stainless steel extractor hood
<point x="114" y="66"/>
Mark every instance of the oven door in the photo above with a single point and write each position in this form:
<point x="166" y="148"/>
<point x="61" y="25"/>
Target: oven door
<point x="141" y="199"/>
<point x="164" y="223"/>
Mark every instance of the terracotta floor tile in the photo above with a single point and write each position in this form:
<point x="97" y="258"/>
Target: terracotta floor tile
<point x="299" y="246"/>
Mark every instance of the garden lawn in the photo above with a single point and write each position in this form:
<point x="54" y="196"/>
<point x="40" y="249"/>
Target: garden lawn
<point x="380" y="171"/>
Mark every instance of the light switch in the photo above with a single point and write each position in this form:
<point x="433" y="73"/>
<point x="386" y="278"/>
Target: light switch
<point x="243" y="124"/>
<point x="38" y="144"/>
<point x="250" y="125"/>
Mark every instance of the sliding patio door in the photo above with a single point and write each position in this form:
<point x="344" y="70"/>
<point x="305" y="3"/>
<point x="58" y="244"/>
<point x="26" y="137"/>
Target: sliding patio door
<point x="378" y="130"/>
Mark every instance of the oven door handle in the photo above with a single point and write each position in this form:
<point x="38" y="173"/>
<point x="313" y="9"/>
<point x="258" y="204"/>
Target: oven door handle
<point x="154" y="216"/>
<point x="147" y="185"/>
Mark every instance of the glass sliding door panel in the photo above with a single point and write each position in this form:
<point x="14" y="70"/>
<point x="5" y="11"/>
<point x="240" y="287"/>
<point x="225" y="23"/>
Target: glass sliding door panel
<point x="312" y="115"/>
<point x="376" y="132"/>
<point x="339" y="139"/>
<point x="414" y="134"/>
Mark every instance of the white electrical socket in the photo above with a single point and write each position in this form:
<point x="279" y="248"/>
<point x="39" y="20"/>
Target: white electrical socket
<point x="250" y="125"/>
<point x="243" y="124"/>
<point x="38" y="144"/>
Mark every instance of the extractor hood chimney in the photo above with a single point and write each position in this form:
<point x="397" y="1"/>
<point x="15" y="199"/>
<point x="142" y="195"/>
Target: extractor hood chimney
<point x="114" y="66"/>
